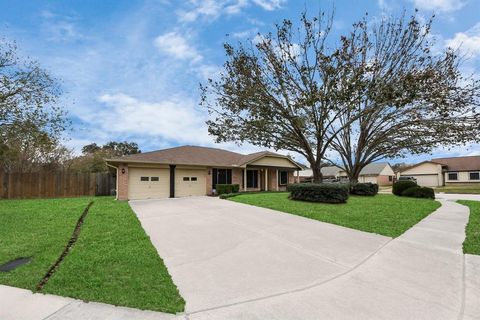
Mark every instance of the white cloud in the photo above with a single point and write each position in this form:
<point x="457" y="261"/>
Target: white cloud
<point x="439" y="5"/>
<point x="177" y="46"/>
<point x="60" y="28"/>
<point x="468" y="41"/>
<point x="174" y="119"/>
<point x="212" y="9"/>
<point x="269" y="5"/>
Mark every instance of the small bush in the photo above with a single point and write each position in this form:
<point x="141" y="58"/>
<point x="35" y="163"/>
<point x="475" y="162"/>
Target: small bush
<point x="227" y="188"/>
<point x="364" y="189"/>
<point x="419" y="192"/>
<point x="228" y="195"/>
<point x="319" y="192"/>
<point x="400" y="186"/>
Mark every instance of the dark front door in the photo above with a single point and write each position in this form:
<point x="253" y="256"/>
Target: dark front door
<point x="252" y="178"/>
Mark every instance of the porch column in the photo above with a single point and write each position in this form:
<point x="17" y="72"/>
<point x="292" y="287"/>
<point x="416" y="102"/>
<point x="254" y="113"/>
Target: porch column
<point x="276" y="180"/>
<point x="266" y="179"/>
<point x="298" y="176"/>
<point x="245" y="179"/>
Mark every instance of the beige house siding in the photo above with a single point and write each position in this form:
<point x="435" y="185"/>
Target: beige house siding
<point x="427" y="174"/>
<point x="463" y="177"/>
<point x="274" y="162"/>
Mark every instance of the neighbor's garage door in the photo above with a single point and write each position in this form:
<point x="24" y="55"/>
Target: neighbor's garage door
<point x="146" y="183"/>
<point x="427" y="180"/>
<point x="189" y="182"/>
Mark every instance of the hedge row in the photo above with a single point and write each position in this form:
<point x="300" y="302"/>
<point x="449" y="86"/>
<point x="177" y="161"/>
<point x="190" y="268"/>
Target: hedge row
<point x="400" y="186"/>
<point x="409" y="188"/>
<point x="364" y="189"/>
<point x="319" y="192"/>
<point x="227" y="188"/>
<point x="419" y="192"/>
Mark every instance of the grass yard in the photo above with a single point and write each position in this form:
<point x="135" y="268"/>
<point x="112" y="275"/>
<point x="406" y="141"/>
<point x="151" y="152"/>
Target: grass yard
<point x="461" y="188"/>
<point x="471" y="244"/>
<point x="113" y="260"/>
<point x="387" y="215"/>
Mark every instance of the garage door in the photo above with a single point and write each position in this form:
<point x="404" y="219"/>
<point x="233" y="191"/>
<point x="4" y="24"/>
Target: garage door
<point x="190" y="182"/>
<point x="427" y="180"/>
<point x="146" y="183"/>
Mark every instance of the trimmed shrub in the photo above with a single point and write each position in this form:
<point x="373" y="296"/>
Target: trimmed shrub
<point x="419" y="192"/>
<point x="400" y="186"/>
<point x="228" y="195"/>
<point x="227" y="188"/>
<point x="364" y="189"/>
<point x="319" y="192"/>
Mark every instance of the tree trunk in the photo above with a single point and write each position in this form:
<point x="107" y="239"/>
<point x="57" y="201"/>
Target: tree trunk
<point x="317" y="173"/>
<point x="355" y="173"/>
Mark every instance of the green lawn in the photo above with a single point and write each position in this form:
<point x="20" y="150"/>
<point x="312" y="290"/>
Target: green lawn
<point x="460" y="188"/>
<point x="387" y="215"/>
<point x="113" y="260"/>
<point x="471" y="244"/>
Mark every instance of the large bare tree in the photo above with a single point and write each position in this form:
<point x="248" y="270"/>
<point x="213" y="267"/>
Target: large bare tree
<point x="282" y="91"/>
<point x="376" y="93"/>
<point x="417" y="99"/>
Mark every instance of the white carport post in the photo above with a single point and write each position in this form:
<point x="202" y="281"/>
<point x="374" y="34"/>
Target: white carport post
<point x="245" y="179"/>
<point x="266" y="179"/>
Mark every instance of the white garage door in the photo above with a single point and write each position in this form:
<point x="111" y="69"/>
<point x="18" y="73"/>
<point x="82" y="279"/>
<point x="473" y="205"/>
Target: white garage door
<point x="427" y="180"/>
<point x="190" y="182"/>
<point x="144" y="183"/>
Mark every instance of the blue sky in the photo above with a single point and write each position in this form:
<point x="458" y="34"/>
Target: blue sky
<point x="131" y="69"/>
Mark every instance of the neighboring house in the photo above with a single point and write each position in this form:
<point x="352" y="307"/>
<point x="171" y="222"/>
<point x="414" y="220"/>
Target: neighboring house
<point x="195" y="171"/>
<point x="330" y="172"/>
<point x="445" y="171"/>
<point x="380" y="173"/>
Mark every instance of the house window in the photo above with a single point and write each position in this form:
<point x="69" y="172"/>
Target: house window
<point x="221" y="176"/>
<point x="144" y="179"/>
<point x="453" y="176"/>
<point x="186" y="178"/>
<point x="154" y="179"/>
<point x="474" y="175"/>
<point x="390" y="178"/>
<point x="252" y="178"/>
<point x="193" y="179"/>
<point x="283" y="178"/>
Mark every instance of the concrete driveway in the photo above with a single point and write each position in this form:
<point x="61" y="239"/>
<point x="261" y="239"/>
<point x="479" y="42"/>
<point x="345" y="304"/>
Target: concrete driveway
<point x="234" y="261"/>
<point x="223" y="253"/>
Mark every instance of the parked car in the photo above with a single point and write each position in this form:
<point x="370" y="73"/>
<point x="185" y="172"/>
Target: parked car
<point x="407" y="178"/>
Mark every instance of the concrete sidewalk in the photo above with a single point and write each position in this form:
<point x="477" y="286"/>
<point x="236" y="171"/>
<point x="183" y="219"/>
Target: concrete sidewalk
<point x="419" y="275"/>
<point x="21" y="304"/>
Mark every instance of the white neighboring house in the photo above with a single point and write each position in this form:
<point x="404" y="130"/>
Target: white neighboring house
<point x="445" y="171"/>
<point x="330" y="172"/>
<point x="380" y="173"/>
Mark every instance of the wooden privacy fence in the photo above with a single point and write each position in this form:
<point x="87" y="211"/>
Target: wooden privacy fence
<point x="55" y="184"/>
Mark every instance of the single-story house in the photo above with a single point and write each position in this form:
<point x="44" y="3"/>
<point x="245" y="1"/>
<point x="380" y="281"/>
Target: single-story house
<point x="195" y="171"/>
<point x="380" y="173"/>
<point x="445" y="171"/>
<point x="329" y="172"/>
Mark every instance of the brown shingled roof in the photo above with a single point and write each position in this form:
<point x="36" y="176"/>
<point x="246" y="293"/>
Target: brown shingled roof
<point x="460" y="163"/>
<point x="194" y="155"/>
